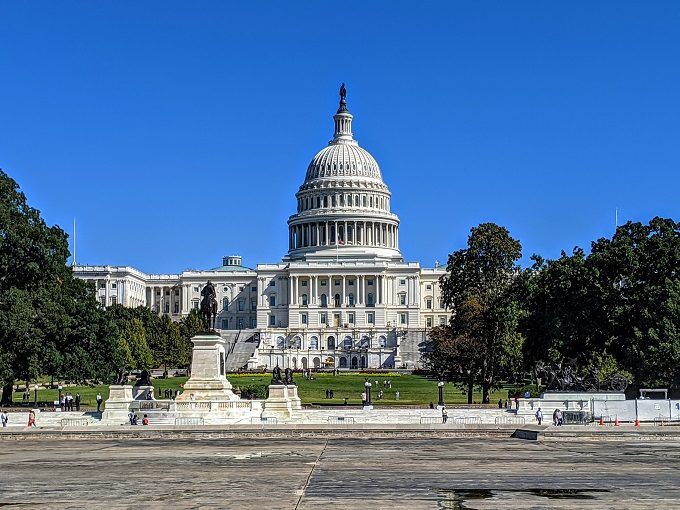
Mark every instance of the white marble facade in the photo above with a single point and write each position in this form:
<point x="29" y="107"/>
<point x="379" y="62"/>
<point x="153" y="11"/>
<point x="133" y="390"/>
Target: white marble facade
<point x="342" y="297"/>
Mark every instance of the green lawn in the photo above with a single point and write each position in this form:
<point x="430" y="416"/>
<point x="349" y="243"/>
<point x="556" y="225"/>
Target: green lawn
<point x="413" y="389"/>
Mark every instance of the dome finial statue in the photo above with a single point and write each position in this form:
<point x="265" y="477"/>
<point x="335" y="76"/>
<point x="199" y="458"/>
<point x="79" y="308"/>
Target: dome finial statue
<point x="343" y="101"/>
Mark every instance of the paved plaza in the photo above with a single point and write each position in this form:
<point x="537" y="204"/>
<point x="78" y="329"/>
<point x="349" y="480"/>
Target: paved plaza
<point x="306" y="473"/>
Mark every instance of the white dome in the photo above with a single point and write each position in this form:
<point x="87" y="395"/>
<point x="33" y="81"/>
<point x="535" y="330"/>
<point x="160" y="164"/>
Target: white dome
<point x="341" y="160"/>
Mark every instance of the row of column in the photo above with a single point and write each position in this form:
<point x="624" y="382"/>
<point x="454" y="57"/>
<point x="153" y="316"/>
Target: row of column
<point x="326" y="233"/>
<point x="166" y="303"/>
<point x="292" y="294"/>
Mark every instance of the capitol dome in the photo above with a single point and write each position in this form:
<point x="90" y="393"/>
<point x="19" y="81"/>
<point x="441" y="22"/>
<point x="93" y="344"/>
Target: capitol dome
<point x="343" y="204"/>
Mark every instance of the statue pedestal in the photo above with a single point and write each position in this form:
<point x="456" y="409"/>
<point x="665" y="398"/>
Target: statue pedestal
<point x="117" y="406"/>
<point x="207" y="381"/>
<point x="142" y="393"/>
<point x="282" y="402"/>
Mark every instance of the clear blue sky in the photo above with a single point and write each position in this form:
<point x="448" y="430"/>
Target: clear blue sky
<point x="141" y="119"/>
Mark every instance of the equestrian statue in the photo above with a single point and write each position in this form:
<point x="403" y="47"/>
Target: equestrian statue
<point x="209" y="306"/>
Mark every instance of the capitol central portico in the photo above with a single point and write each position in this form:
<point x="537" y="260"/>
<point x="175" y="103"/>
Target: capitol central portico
<point x="342" y="296"/>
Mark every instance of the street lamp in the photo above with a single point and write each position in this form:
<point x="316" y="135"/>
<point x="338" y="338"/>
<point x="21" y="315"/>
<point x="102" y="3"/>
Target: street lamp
<point x="35" y="389"/>
<point x="59" y="398"/>
<point x="367" y="384"/>
<point x="440" y="386"/>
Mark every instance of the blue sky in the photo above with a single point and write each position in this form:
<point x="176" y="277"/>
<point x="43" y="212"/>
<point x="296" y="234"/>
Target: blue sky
<point x="178" y="132"/>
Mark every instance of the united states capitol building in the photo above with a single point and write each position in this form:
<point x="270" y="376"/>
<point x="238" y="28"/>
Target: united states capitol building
<point x="343" y="297"/>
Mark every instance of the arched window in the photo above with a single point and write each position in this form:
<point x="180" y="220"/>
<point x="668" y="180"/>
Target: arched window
<point x="331" y="342"/>
<point x="304" y="300"/>
<point x="369" y="299"/>
<point x="356" y="200"/>
<point x="225" y="303"/>
<point x="382" y="341"/>
<point x="296" y="343"/>
<point x="318" y="202"/>
<point x="347" y="342"/>
<point x="337" y="300"/>
<point x="280" y="342"/>
<point x="343" y="362"/>
<point x="314" y="342"/>
<point x="365" y="342"/>
<point x="351" y="299"/>
<point x="324" y="300"/>
<point x="325" y="200"/>
<point x="272" y="300"/>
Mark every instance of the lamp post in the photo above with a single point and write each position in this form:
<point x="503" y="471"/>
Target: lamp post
<point x="59" y="398"/>
<point x="367" y="385"/>
<point x="470" y="386"/>
<point x="35" y="389"/>
<point x="440" y="386"/>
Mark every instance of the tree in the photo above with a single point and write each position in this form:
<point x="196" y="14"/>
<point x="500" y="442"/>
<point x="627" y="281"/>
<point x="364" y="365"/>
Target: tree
<point x="478" y="287"/>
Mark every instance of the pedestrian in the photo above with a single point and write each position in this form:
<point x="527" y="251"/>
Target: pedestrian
<point x="396" y="396"/>
<point x="4" y="418"/>
<point x="99" y="402"/>
<point x="516" y="403"/>
<point x="555" y="417"/>
<point x="77" y="401"/>
<point x="145" y="420"/>
<point x="345" y="400"/>
<point x="327" y="393"/>
<point x="527" y="394"/>
<point x="539" y="416"/>
<point x="332" y="394"/>
<point x="31" y="418"/>
<point x="559" y="418"/>
<point x="363" y="398"/>
<point x="445" y="414"/>
<point x="431" y="405"/>
<point x="500" y="403"/>
<point x="131" y="417"/>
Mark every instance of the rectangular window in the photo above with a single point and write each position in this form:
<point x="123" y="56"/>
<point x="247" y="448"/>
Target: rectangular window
<point x="272" y="283"/>
<point x="304" y="283"/>
<point x="195" y="290"/>
<point x="253" y="305"/>
<point x="442" y="320"/>
<point x="241" y="288"/>
<point x="113" y="285"/>
<point x="428" y="322"/>
<point x="402" y="299"/>
<point x="253" y="323"/>
<point x="241" y="305"/>
<point x="402" y="318"/>
<point x="240" y="324"/>
<point x="369" y="282"/>
<point x="337" y="282"/>
<point x="103" y="299"/>
<point x="323" y="282"/>
<point x="402" y="282"/>
<point x="370" y="318"/>
<point x="272" y="300"/>
<point x="350" y="282"/>
<point x="113" y="300"/>
<point x="225" y="324"/>
<point x="428" y="287"/>
<point x="303" y="319"/>
<point x="176" y="307"/>
<point x="350" y="318"/>
<point x="272" y="320"/>
<point x="428" y="303"/>
<point x="102" y="285"/>
<point x="323" y="318"/>
<point x="253" y="289"/>
<point x="194" y="305"/>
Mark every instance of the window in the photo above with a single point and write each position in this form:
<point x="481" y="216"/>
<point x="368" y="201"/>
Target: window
<point x="428" y="322"/>
<point x="167" y="307"/>
<point x="402" y="299"/>
<point x="347" y="343"/>
<point x="304" y="300"/>
<point x="225" y="303"/>
<point x="296" y="343"/>
<point x="442" y="320"/>
<point x="382" y="341"/>
<point x="253" y="322"/>
<point x="272" y="320"/>
<point x="241" y="288"/>
<point x="253" y="289"/>
<point x="351" y="299"/>
<point x="331" y="342"/>
<point x="225" y="324"/>
<point x="402" y="282"/>
<point x="240" y="324"/>
<point x="103" y="300"/>
<point x="113" y="285"/>
<point x="225" y="289"/>
<point x="272" y="300"/>
<point x="337" y="282"/>
<point x="324" y="300"/>
<point x="303" y="319"/>
<point x="314" y="342"/>
<point x="323" y="282"/>
<point x="323" y="318"/>
<point x="102" y="285"/>
<point x="113" y="300"/>
<point x="369" y="282"/>
<point x="428" y="303"/>
<point x="402" y="318"/>
<point x="194" y="304"/>
<point x="280" y="342"/>
<point x="272" y="283"/>
<point x="350" y="282"/>
<point x="241" y="305"/>
<point x="195" y="290"/>
<point x="337" y="300"/>
<point x="304" y="283"/>
<point x="350" y="318"/>
<point x="369" y="299"/>
<point x="428" y="287"/>
<point x="370" y="318"/>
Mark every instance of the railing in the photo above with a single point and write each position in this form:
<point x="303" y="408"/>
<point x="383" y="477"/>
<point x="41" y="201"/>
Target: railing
<point x="149" y="405"/>
<point x="509" y="420"/>
<point x="575" y="418"/>
<point x="264" y="421"/>
<point x="468" y="420"/>
<point x="74" y="422"/>
<point x="199" y="406"/>
<point x="235" y="404"/>
<point x="340" y="420"/>
<point x="431" y="419"/>
<point x="189" y="420"/>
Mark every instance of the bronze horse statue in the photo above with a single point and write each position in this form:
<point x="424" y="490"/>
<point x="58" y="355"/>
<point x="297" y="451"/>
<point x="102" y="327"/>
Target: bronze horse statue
<point x="209" y="306"/>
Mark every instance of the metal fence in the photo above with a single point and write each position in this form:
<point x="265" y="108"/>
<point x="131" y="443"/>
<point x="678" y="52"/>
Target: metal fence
<point x="575" y="418"/>
<point x="468" y="420"/>
<point x="509" y="420"/>
<point x="431" y="419"/>
<point x="340" y="420"/>
<point x="74" y="422"/>
<point x="264" y="421"/>
<point x="189" y="420"/>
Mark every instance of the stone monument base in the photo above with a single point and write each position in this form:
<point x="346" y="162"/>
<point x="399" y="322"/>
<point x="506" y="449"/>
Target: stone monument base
<point x="143" y="392"/>
<point x="207" y="381"/>
<point x="117" y="406"/>
<point x="282" y="402"/>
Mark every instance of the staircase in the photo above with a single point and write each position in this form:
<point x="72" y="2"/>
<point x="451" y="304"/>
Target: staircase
<point x="241" y="347"/>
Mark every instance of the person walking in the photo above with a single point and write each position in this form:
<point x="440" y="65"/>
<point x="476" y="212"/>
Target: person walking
<point x="77" y="401"/>
<point x="99" y="402"/>
<point x="4" y="418"/>
<point x="555" y="417"/>
<point x="396" y="396"/>
<point x="558" y="415"/>
<point x="445" y="414"/>
<point x="31" y="418"/>
<point x="539" y="416"/>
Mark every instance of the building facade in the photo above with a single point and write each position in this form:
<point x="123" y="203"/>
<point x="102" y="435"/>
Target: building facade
<point x="343" y="296"/>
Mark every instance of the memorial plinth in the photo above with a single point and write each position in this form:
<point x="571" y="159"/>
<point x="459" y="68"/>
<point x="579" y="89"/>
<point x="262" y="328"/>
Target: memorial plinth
<point x="208" y="380"/>
<point x="282" y="402"/>
<point x="117" y="406"/>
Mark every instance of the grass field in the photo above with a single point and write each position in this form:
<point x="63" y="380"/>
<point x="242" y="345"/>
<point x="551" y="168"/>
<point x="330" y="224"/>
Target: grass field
<point x="413" y="389"/>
